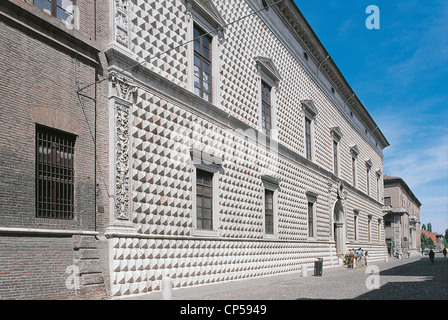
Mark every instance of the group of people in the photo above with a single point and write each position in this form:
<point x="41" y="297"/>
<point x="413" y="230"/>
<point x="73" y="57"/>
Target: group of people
<point x="356" y="258"/>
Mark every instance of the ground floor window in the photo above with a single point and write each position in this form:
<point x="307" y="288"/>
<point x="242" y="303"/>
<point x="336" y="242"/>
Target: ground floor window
<point x="54" y="173"/>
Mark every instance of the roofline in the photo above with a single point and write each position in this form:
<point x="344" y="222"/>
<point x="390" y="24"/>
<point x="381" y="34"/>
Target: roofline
<point x="388" y="179"/>
<point x="374" y="129"/>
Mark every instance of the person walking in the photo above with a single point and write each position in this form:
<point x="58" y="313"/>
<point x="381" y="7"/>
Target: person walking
<point x="444" y="252"/>
<point x="431" y="256"/>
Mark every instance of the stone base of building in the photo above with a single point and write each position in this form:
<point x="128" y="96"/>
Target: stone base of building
<point x="140" y="264"/>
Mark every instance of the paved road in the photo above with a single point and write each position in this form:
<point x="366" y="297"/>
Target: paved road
<point x="405" y="279"/>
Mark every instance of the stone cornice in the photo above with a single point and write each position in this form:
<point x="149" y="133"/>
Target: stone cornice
<point x="297" y="23"/>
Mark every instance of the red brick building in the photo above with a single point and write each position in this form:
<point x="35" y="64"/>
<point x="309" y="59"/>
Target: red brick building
<point x="48" y="222"/>
<point x="436" y="238"/>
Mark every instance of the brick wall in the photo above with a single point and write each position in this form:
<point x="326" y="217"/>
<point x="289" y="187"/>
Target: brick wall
<point x="43" y="63"/>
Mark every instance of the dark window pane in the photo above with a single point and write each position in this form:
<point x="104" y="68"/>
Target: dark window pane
<point x="202" y="63"/>
<point x="310" y="219"/>
<point x="204" y="200"/>
<point x="45" y="5"/>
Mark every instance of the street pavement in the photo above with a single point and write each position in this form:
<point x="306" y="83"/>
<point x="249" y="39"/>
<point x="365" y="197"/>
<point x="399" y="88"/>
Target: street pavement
<point x="412" y="278"/>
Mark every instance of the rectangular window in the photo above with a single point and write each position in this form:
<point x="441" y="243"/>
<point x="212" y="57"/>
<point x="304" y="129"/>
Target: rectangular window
<point x="308" y="138"/>
<point x="202" y="64"/>
<point x="269" y="211"/>
<point x="61" y="9"/>
<point x="266" y="109"/>
<point x="354" y="171"/>
<point x="368" y="181"/>
<point x="54" y="173"/>
<point x="204" y="200"/>
<point x="387" y="201"/>
<point x="378" y="188"/>
<point x="355" y="223"/>
<point x="310" y="219"/>
<point x="335" y="157"/>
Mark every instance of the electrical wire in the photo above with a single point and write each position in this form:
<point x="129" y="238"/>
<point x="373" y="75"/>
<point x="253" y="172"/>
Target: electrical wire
<point x="179" y="45"/>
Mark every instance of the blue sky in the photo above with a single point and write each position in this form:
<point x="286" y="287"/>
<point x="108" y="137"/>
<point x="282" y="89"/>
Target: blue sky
<point x="400" y="73"/>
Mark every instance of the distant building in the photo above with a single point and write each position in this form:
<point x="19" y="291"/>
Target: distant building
<point x="436" y="238"/>
<point x="402" y="217"/>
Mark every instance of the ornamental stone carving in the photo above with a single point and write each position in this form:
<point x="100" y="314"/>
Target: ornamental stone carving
<point x="121" y="19"/>
<point x="123" y="91"/>
<point x="123" y="88"/>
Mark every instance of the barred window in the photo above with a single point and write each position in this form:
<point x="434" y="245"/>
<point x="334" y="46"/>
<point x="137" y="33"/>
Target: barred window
<point x="54" y="173"/>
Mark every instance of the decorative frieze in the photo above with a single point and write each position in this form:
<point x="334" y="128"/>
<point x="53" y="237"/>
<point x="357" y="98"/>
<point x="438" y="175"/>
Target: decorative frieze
<point x="121" y="20"/>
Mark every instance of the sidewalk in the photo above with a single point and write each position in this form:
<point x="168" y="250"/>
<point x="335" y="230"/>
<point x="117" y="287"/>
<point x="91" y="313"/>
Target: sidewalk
<point x="335" y="283"/>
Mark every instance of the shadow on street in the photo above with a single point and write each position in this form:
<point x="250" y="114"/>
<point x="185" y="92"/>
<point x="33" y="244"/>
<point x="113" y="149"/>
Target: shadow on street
<point x="419" y="280"/>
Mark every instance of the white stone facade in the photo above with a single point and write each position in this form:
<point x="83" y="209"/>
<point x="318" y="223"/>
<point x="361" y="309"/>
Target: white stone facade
<point x="162" y="131"/>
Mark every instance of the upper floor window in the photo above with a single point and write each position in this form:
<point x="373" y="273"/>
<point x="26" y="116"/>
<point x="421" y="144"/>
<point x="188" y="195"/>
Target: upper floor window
<point x="268" y="82"/>
<point x="61" y="9"/>
<point x="368" y="167"/>
<point x="355" y="224"/>
<point x="308" y="138"/>
<point x="354" y="152"/>
<point x="337" y="136"/>
<point x="354" y="171"/>
<point x="335" y="158"/>
<point x="266" y="109"/>
<point x="310" y="112"/>
<point x="54" y="173"/>
<point x="202" y="64"/>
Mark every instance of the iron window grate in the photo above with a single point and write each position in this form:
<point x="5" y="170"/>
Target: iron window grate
<point x="54" y="173"/>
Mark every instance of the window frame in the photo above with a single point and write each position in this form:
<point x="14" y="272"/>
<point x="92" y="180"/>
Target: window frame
<point x="266" y="105"/>
<point x="206" y="192"/>
<point x="59" y="180"/>
<point x="310" y="113"/>
<point x="213" y="170"/>
<point x="308" y="139"/>
<point x="311" y="204"/>
<point x="269" y="212"/>
<point x="355" y="225"/>
<point x="336" y="135"/>
<point x="368" y="169"/>
<point x="203" y="59"/>
<point x="271" y="185"/>
<point x="54" y="10"/>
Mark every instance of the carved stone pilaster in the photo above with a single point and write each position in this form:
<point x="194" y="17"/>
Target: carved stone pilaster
<point x="123" y="91"/>
<point x="122" y="22"/>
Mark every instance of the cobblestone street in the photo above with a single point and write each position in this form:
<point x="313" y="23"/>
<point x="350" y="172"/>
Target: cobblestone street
<point x="405" y="279"/>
